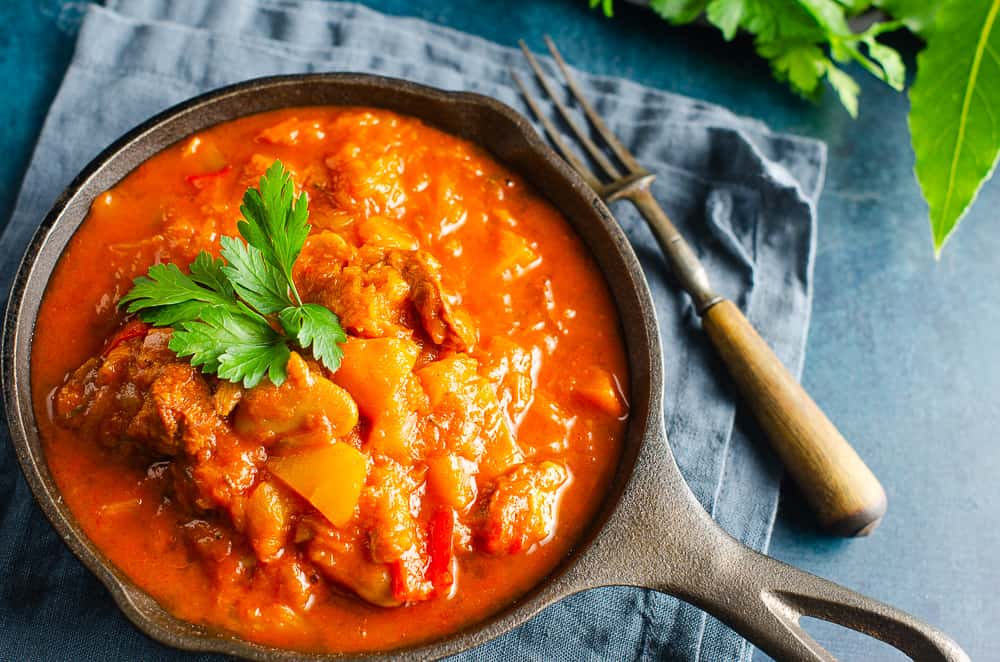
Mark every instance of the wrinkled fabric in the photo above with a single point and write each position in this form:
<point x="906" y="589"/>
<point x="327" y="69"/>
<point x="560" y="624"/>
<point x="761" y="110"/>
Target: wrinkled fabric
<point x="743" y="196"/>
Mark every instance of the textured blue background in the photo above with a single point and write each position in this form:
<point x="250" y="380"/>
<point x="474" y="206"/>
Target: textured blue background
<point x="903" y="351"/>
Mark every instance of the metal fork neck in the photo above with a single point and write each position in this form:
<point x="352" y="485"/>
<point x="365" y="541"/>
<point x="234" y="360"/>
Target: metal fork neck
<point x="682" y="259"/>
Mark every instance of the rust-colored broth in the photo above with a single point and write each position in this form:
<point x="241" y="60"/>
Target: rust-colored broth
<point x="516" y="303"/>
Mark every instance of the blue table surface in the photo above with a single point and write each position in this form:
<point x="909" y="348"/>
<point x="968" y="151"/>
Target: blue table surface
<point x="902" y="352"/>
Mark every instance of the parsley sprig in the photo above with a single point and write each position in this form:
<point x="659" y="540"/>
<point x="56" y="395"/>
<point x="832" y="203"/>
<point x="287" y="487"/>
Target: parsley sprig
<point x="236" y="316"/>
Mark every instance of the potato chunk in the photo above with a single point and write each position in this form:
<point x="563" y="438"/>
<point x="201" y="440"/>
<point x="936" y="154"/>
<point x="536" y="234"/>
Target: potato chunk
<point x="452" y="479"/>
<point x="329" y="478"/>
<point x="374" y="370"/>
<point x="515" y="256"/>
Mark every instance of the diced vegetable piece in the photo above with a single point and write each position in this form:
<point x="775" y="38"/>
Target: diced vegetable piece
<point x="453" y="384"/>
<point x="512" y="367"/>
<point x="329" y="478"/>
<point x="392" y="431"/>
<point x="502" y="449"/>
<point x="292" y="131"/>
<point x="522" y="509"/>
<point x="441" y="548"/>
<point x="599" y="388"/>
<point x="386" y="232"/>
<point x="307" y="400"/>
<point x="451" y="478"/>
<point x="268" y="520"/>
<point x="373" y="370"/>
<point x="408" y="581"/>
<point x="451" y="375"/>
<point x="203" y="179"/>
<point x="515" y="255"/>
<point x="386" y="511"/>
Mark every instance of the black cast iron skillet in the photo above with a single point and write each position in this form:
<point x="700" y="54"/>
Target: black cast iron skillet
<point x="651" y="531"/>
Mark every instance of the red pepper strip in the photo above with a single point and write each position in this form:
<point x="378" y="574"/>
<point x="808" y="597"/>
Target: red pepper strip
<point x="441" y="547"/>
<point x="397" y="572"/>
<point x="134" y="329"/>
<point x="199" y="180"/>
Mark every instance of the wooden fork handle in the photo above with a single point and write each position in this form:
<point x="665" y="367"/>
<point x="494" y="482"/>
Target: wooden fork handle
<point x="839" y="486"/>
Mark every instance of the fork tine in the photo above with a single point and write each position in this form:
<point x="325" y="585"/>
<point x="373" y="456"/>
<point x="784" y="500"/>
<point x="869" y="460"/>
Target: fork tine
<point x="581" y="135"/>
<point x="616" y="146"/>
<point x="568" y="154"/>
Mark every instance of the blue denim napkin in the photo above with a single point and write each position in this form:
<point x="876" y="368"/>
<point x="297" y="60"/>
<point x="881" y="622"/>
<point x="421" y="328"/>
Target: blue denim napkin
<point x="744" y="196"/>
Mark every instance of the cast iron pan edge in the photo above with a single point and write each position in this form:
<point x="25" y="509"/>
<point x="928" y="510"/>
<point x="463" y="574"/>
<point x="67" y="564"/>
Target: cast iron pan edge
<point x="485" y="121"/>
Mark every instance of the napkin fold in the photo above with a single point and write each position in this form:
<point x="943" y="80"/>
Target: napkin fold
<point x="745" y="197"/>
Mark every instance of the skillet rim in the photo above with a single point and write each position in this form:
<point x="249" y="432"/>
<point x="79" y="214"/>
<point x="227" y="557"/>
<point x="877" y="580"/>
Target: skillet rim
<point x="641" y="338"/>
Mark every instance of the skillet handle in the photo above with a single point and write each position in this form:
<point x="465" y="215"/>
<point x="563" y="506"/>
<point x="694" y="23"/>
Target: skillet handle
<point x="763" y="599"/>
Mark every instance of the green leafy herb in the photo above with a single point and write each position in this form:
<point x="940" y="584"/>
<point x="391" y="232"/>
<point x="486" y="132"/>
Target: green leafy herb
<point x="955" y="111"/>
<point x="237" y="347"/>
<point x="314" y="326"/>
<point x="220" y="311"/>
<point x="275" y="223"/>
<point x="166" y="295"/>
<point x="953" y="121"/>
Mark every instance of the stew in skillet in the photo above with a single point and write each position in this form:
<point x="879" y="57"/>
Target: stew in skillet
<point x="411" y="478"/>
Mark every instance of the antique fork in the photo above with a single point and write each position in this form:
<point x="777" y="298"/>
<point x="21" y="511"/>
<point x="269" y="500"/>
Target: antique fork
<point x="841" y="489"/>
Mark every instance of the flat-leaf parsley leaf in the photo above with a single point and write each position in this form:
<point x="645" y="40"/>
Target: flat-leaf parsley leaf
<point x="220" y="311"/>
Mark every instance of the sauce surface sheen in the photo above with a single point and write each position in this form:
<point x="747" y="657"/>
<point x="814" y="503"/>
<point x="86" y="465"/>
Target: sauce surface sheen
<point x="499" y="418"/>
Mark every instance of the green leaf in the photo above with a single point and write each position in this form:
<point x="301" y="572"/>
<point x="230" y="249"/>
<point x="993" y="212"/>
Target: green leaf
<point x="275" y="222"/>
<point x="207" y="271"/>
<point x="607" y="6"/>
<point x="916" y="15"/>
<point x="845" y="87"/>
<point x="678" y="11"/>
<point x="256" y="281"/>
<point x="955" y="111"/>
<point x="318" y="327"/>
<point x="726" y="15"/>
<point x="218" y="312"/>
<point x="235" y="346"/>
<point x="894" y="71"/>
<point x="166" y="295"/>
<point x="802" y="66"/>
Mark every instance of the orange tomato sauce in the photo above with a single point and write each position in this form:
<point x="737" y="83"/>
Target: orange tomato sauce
<point x="517" y="272"/>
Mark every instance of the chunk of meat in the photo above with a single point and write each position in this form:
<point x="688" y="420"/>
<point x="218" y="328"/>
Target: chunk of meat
<point x="346" y="563"/>
<point x="385" y="512"/>
<point x="178" y="413"/>
<point x="138" y="394"/>
<point x="380" y="292"/>
<point x="444" y="322"/>
<point x="369" y="296"/>
<point x="521" y="511"/>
